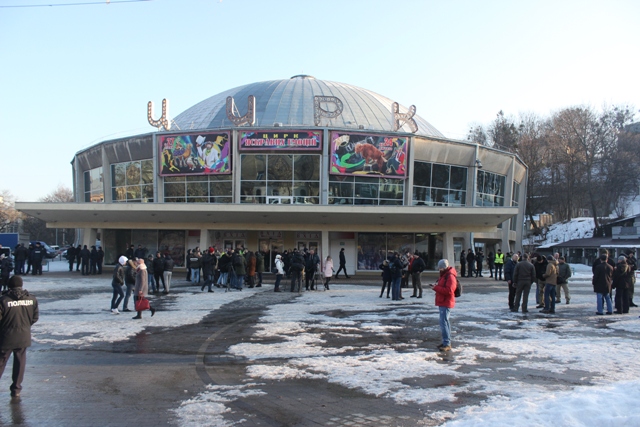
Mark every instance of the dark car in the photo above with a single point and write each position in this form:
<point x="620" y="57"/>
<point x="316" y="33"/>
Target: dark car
<point x="51" y="253"/>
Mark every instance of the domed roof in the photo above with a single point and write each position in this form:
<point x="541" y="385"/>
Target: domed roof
<point x="291" y="103"/>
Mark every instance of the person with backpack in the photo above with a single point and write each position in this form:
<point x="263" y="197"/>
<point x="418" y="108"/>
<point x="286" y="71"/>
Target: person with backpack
<point x="445" y="290"/>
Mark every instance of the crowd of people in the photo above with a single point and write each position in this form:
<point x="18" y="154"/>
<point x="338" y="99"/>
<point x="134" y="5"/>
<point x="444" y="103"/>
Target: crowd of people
<point x="88" y="261"/>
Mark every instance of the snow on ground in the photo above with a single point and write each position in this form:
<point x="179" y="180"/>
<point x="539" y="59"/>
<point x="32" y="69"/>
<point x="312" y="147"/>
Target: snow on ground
<point x="577" y="228"/>
<point x="295" y="335"/>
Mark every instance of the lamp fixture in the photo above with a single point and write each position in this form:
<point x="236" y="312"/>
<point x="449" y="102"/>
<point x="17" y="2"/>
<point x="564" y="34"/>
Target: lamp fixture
<point x="478" y="164"/>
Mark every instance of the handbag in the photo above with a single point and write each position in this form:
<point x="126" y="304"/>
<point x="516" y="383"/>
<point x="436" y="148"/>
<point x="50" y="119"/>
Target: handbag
<point x="142" y="304"/>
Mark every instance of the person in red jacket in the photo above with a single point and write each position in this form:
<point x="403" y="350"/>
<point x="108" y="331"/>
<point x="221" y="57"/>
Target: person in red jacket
<point x="445" y="300"/>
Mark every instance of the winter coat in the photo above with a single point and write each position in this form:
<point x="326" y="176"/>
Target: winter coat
<point x="508" y="270"/>
<point x="622" y="276"/>
<point x="551" y="274"/>
<point x="118" y="275"/>
<point x="343" y="259"/>
<point x="158" y="265"/>
<point x="168" y="264"/>
<point x="149" y="265"/>
<point x="328" y="268"/>
<point x="446" y="287"/>
<point x="208" y="263"/>
<point x="418" y="265"/>
<point x="311" y="263"/>
<point x="602" y="278"/>
<point x="251" y="265"/>
<point x="564" y="273"/>
<point x="259" y="262"/>
<point x="18" y="312"/>
<point x="224" y="262"/>
<point x="386" y="272"/>
<point x="279" y="267"/>
<point x="239" y="265"/>
<point x="297" y="262"/>
<point x="142" y="281"/>
<point x="130" y="274"/>
<point x="398" y="267"/>
<point x="195" y="260"/>
<point x="524" y="273"/>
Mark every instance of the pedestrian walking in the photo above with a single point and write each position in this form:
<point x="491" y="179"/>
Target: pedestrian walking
<point x="445" y="300"/>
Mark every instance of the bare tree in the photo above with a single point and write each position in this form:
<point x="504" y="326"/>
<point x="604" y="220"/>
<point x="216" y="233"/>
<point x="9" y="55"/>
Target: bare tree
<point x="37" y="228"/>
<point x="8" y="214"/>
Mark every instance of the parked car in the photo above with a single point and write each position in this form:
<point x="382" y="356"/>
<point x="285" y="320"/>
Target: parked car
<point x="51" y="253"/>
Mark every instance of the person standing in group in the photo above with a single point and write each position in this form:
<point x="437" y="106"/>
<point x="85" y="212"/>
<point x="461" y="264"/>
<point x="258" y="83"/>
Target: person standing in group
<point x="417" y="267"/>
<point x="224" y="264"/>
<point x="328" y="271"/>
<point x="93" y="261"/>
<point x="471" y="262"/>
<point x="151" y="273"/>
<point x="239" y="266"/>
<point x="129" y="282"/>
<point x="279" y="272"/>
<point x="21" y="254"/>
<point x="18" y="312"/>
<point x="632" y="262"/>
<point x="78" y="257"/>
<point x="37" y="257"/>
<point x="550" y="283"/>
<point x="541" y="268"/>
<point x="479" y="261"/>
<point x="188" y="279"/>
<point x="100" y="259"/>
<point x="602" y="281"/>
<point x="395" y="266"/>
<point x="85" y="256"/>
<point x="71" y="256"/>
<point x="498" y="261"/>
<point x="312" y="263"/>
<point x="343" y="264"/>
<point x="116" y="283"/>
<point x="158" y="271"/>
<point x="445" y="300"/>
<point x="295" y="270"/>
<point x="141" y="287"/>
<point x="208" y="262"/>
<point x="463" y="263"/>
<point x="130" y="252"/>
<point x="524" y="274"/>
<point x="508" y="276"/>
<point x="251" y="269"/>
<point x="167" y="272"/>
<point x="259" y="268"/>
<point x="564" y="273"/>
<point x="386" y="277"/>
<point x="6" y="266"/>
<point x="491" y="262"/>
<point x="621" y="282"/>
<point x="195" y="263"/>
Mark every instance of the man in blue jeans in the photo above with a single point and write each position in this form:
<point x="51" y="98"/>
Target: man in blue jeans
<point x="551" y="281"/>
<point x="395" y="265"/>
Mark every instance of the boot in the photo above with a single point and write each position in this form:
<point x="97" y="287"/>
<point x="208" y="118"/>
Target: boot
<point x="139" y="316"/>
<point x="153" y="311"/>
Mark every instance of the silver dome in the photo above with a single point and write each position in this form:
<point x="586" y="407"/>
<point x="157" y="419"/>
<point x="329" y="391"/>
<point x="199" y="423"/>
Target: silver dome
<point x="291" y="103"/>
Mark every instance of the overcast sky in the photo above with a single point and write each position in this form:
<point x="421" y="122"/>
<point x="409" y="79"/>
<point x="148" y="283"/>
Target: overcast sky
<point x="73" y="76"/>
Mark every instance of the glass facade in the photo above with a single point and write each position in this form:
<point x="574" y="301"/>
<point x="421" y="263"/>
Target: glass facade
<point x="373" y="248"/>
<point x="93" y="186"/>
<point x="490" y="189"/>
<point x="198" y="189"/>
<point x="132" y="182"/>
<point x="356" y="190"/>
<point x="280" y="178"/>
<point x="436" y="184"/>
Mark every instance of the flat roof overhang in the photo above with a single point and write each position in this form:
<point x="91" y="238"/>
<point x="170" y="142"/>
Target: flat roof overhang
<point x="261" y="216"/>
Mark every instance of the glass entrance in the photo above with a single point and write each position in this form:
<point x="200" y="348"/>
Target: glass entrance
<point x="270" y="248"/>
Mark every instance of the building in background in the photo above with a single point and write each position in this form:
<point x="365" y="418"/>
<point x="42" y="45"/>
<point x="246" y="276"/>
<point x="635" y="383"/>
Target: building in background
<point x="295" y="163"/>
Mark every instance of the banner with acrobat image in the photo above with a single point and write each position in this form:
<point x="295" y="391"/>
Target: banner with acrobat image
<point x="369" y="155"/>
<point x="195" y="154"/>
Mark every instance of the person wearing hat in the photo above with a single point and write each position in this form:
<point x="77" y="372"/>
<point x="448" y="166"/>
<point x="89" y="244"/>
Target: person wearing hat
<point x="550" y="282"/>
<point x="445" y="300"/>
<point x="279" y="272"/>
<point x="116" y="283"/>
<point x="602" y="281"/>
<point x="18" y="312"/>
<point x="621" y="282"/>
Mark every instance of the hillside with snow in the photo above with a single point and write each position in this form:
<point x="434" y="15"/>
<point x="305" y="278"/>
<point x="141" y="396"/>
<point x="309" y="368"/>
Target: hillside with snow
<point x="577" y="228"/>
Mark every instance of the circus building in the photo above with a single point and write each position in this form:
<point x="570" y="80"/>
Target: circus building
<point x="294" y="163"/>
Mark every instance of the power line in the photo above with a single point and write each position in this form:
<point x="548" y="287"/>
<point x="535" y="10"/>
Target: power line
<point x="107" y="2"/>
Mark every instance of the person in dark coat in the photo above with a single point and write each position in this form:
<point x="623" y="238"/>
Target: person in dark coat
<point x="602" y="281"/>
<point x="116" y="284"/>
<point x="93" y="261"/>
<point x="18" y="312"/>
<point x="463" y="263"/>
<point x="100" y="260"/>
<point x="621" y="282"/>
<point x="471" y="261"/>
<point x="21" y="254"/>
<point x="158" y="271"/>
<point x="386" y="277"/>
<point x="29" y="250"/>
<point x="6" y="267"/>
<point x="71" y="256"/>
<point x="37" y="256"/>
<point x="208" y="262"/>
<point x="259" y="268"/>
<point x="395" y="266"/>
<point x="86" y="258"/>
<point x="508" y="276"/>
<point x="479" y="261"/>
<point x="491" y="262"/>
<point x="343" y="264"/>
<point x="297" y="265"/>
<point x="78" y="257"/>
<point x="148" y="261"/>
<point x="129" y="282"/>
<point x="524" y="274"/>
<point x="167" y="273"/>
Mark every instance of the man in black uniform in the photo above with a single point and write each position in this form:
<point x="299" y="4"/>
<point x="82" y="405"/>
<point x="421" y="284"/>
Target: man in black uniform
<point x="37" y="256"/>
<point x="18" y="312"/>
<point x="71" y="256"/>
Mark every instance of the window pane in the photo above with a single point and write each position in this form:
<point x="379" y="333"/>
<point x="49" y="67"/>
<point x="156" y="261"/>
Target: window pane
<point x="280" y="167"/>
<point x="220" y="188"/>
<point x="440" y="176"/>
<point x="147" y="193"/>
<point x="118" y="176"/>
<point x="400" y="242"/>
<point x="174" y="190"/>
<point x="306" y="167"/>
<point x="134" y="192"/>
<point x="458" y="178"/>
<point x="147" y="171"/>
<point x="422" y="174"/>
<point x="133" y="173"/>
<point x="253" y="167"/>
<point x="87" y="181"/>
<point x="119" y="194"/>
<point x="196" y="189"/>
<point x="371" y="250"/>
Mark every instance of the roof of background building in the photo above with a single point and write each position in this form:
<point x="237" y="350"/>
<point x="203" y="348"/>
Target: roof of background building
<point x="291" y="103"/>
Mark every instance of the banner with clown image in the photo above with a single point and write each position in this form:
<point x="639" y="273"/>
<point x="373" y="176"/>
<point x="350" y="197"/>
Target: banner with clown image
<point x="370" y="155"/>
<point x="195" y="154"/>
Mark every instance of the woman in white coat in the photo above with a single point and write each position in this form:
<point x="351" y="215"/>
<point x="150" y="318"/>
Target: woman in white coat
<point x="328" y="271"/>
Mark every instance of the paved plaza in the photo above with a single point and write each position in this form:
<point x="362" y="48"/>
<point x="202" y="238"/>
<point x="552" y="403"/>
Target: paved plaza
<point x="335" y="358"/>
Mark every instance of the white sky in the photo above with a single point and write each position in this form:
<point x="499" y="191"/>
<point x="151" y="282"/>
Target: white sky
<point x="386" y="370"/>
<point x="74" y="76"/>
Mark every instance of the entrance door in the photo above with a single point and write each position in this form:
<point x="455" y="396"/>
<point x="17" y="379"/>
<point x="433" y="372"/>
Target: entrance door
<point x="349" y="254"/>
<point x="270" y="248"/>
<point x="233" y="244"/>
<point x="309" y="244"/>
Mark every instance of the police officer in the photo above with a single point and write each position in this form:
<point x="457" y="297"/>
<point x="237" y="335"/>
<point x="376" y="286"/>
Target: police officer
<point x="18" y="312"/>
<point x="37" y="256"/>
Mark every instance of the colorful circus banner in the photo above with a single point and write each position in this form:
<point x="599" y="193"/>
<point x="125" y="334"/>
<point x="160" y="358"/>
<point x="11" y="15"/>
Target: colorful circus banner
<point x="370" y="155"/>
<point x="195" y="154"/>
<point x="287" y="139"/>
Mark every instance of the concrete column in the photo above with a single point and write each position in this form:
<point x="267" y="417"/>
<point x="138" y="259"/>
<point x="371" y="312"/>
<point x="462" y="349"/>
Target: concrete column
<point x="106" y="177"/>
<point x="447" y="248"/>
<point x="89" y="237"/>
<point x="204" y="239"/>
<point x="324" y="246"/>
